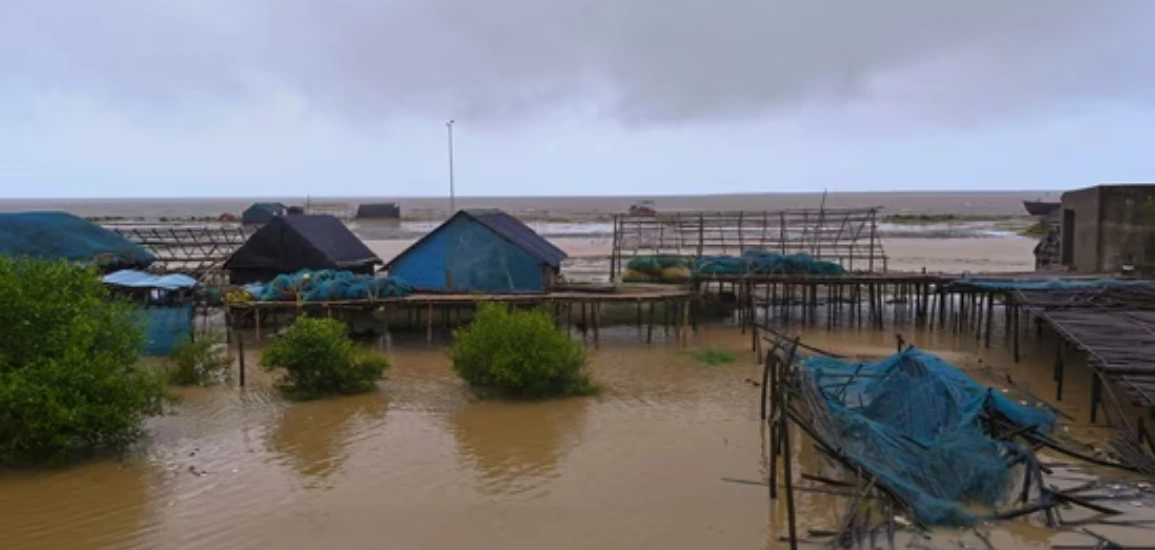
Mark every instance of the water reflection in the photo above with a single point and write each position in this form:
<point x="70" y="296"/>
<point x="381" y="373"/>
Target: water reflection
<point x="515" y="447"/>
<point x="314" y="437"/>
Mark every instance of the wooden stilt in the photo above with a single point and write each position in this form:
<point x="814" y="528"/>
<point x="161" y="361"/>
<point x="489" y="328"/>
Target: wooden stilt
<point x="650" y="325"/>
<point x="1015" y="322"/>
<point x="990" y="319"/>
<point x="1058" y="368"/>
<point x="686" y="304"/>
<point x="429" y="323"/>
<point x="241" y="357"/>
<point x="585" y="322"/>
<point x="1096" y="395"/>
<point x="789" y="479"/>
<point x="775" y="421"/>
<point x="639" y="321"/>
<point x="595" y="314"/>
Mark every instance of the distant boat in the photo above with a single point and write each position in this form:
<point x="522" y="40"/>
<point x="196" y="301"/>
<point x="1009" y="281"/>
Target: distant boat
<point x="1040" y="208"/>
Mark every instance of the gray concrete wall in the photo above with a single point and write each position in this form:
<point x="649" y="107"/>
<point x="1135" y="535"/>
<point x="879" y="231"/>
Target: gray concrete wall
<point x="1084" y="203"/>
<point x="1127" y="229"/>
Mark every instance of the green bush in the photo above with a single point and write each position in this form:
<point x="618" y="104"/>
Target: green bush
<point x="318" y="358"/>
<point x="200" y="363"/>
<point x="69" y="380"/>
<point x="519" y="354"/>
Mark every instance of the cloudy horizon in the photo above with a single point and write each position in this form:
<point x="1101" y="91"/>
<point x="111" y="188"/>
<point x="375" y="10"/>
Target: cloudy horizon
<point x="131" y="98"/>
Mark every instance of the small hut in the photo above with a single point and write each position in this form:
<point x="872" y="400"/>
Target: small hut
<point x="293" y="243"/>
<point x="480" y="251"/>
<point x="262" y="213"/>
<point x="164" y="306"/>
<point x="63" y="236"/>
<point x="379" y="211"/>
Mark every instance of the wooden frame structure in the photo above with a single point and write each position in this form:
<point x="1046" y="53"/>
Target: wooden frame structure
<point x="848" y="236"/>
<point x="1113" y="326"/>
<point x="187" y="249"/>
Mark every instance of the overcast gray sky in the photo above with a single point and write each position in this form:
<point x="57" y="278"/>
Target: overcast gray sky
<point x="350" y="97"/>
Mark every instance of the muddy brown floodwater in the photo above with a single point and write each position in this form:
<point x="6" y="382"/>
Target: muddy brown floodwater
<point x="421" y="464"/>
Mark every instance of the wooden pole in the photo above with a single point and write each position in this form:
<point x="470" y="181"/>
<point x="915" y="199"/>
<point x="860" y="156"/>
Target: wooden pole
<point x="650" y="325"/>
<point x="257" y="321"/>
<point x="639" y="320"/>
<point x="686" y="319"/>
<point x="1058" y="367"/>
<point x="775" y="420"/>
<point x="990" y="319"/>
<point x="595" y="313"/>
<point x="1015" y="321"/>
<point x="241" y="357"/>
<point x="789" y="475"/>
<point x="429" y="323"/>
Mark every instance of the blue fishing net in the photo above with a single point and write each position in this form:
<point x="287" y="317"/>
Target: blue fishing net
<point x="919" y="425"/>
<point x="766" y="262"/>
<point x="328" y="286"/>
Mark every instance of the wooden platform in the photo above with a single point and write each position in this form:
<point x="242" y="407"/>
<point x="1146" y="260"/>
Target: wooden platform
<point x="573" y="310"/>
<point x="627" y="295"/>
<point x="844" y="279"/>
<point x="1113" y="326"/>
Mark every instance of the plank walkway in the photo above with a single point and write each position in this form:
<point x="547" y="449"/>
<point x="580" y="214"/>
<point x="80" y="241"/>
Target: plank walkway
<point x="1114" y="327"/>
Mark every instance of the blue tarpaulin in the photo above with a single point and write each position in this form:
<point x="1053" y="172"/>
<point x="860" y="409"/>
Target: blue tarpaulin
<point x="140" y="279"/>
<point x="164" y="327"/>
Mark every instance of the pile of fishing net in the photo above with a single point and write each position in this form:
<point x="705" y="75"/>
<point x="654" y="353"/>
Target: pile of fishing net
<point x="658" y="269"/>
<point x="766" y="262"/>
<point x="327" y="285"/>
<point x="923" y="429"/>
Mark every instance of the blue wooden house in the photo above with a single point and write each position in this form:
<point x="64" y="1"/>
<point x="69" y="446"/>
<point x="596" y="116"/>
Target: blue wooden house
<point x="480" y="251"/>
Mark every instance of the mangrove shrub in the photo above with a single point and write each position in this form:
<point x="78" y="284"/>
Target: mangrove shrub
<point x="69" y="379"/>
<point x="519" y="354"/>
<point x="201" y="362"/>
<point x="317" y="358"/>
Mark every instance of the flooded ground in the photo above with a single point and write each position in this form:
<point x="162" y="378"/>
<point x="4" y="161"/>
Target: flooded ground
<point x="421" y="464"/>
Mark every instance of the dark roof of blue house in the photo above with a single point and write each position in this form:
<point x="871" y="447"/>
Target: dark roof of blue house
<point x="507" y="227"/>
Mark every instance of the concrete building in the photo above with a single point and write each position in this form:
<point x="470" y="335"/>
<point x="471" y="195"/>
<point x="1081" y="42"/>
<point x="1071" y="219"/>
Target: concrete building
<point x="1108" y="227"/>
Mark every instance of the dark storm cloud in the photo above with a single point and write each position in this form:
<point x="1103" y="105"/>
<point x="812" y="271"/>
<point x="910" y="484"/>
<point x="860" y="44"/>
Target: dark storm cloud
<point x="635" y="60"/>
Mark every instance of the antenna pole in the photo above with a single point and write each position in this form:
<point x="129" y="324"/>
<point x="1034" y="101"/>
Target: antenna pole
<point x="452" y="194"/>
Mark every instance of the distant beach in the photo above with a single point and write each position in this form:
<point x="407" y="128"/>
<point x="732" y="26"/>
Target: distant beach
<point x="939" y="231"/>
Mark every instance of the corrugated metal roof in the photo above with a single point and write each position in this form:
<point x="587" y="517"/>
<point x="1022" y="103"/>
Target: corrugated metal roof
<point x="519" y="234"/>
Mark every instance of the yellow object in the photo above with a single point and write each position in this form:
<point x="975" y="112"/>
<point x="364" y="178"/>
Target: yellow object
<point x="631" y="276"/>
<point x="239" y="296"/>
<point x="675" y="275"/>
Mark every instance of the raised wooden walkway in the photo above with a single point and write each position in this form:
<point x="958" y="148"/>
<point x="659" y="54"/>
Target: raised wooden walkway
<point x="574" y="309"/>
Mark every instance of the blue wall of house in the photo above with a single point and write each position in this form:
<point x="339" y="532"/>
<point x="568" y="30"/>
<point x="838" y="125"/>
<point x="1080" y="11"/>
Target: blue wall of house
<point x="476" y="258"/>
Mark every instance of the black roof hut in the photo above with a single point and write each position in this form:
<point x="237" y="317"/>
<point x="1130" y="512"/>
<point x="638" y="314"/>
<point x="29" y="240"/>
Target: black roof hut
<point x="292" y="243"/>
<point x="381" y="210"/>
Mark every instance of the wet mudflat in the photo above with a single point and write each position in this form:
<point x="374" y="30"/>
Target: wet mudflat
<point x="422" y="464"/>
